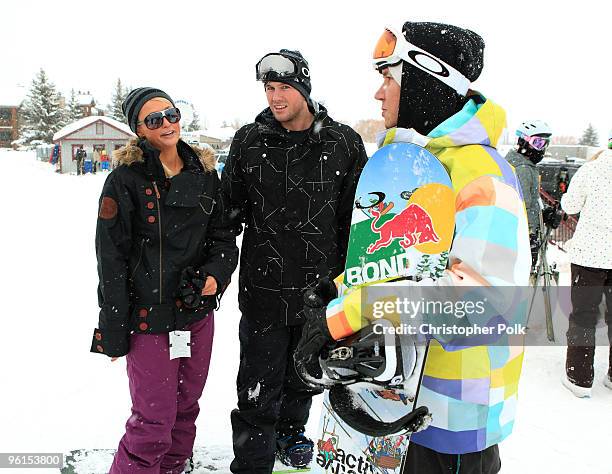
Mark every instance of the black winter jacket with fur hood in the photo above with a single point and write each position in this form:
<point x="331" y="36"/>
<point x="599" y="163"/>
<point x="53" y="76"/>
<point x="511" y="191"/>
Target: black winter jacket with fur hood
<point x="149" y="229"/>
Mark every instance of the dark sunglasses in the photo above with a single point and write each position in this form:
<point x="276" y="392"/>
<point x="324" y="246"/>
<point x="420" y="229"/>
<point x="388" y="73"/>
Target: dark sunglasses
<point x="155" y="120"/>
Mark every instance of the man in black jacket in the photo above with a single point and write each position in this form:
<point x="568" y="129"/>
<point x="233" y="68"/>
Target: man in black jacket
<point x="290" y="178"/>
<point x="79" y="157"/>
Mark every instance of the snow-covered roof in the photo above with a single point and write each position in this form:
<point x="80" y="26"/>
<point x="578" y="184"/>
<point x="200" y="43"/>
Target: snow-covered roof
<point x="86" y="121"/>
<point x="12" y="96"/>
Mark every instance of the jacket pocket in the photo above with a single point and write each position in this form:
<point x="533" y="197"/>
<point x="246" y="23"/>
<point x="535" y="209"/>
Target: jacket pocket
<point x="185" y="189"/>
<point x="141" y="261"/>
<point x="190" y="205"/>
<point x="206" y="203"/>
<point x="140" y="257"/>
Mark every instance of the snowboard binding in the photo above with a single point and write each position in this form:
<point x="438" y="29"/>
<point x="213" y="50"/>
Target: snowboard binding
<point x="373" y="358"/>
<point x="368" y="356"/>
<point x="294" y="450"/>
<point x="372" y="355"/>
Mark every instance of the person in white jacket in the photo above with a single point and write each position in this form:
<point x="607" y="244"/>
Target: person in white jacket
<point x="589" y="194"/>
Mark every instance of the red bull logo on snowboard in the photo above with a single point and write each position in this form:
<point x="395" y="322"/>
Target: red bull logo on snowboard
<point x="413" y="226"/>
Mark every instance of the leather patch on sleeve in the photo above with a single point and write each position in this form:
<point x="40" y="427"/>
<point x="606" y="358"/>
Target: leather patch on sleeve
<point x="108" y="208"/>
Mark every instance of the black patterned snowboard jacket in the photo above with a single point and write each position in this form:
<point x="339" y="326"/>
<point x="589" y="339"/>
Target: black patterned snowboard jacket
<point x="295" y="199"/>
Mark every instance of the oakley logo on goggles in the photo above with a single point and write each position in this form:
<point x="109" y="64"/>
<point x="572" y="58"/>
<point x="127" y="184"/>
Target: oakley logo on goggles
<point x="276" y="65"/>
<point x="155" y="120"/>
<point x="392" y="48"/>
<point x="538" y="143"/>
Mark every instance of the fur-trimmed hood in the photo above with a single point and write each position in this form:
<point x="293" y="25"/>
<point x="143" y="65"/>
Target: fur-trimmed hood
<point x="132" y="153"/>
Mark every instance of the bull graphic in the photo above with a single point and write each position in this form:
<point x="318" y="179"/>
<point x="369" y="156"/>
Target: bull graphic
<point x="413" y="226"/>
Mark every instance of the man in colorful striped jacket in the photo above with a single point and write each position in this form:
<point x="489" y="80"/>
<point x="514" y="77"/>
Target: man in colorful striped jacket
<point x="426" y="99"/>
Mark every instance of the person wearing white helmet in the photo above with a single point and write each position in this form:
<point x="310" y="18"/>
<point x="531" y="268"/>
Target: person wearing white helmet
<point x="534" y="138"/>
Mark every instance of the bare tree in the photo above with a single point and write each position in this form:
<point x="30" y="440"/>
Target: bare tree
<point x="237" y="124"/>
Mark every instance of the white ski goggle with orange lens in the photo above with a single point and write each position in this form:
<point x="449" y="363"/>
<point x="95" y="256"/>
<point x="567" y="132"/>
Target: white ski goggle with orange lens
<point x="393" y="48"/>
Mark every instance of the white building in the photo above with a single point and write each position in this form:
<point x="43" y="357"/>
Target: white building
<point x="563" y="152"/>
<point x="218" y="138"/>
<point x="95" y="133"/>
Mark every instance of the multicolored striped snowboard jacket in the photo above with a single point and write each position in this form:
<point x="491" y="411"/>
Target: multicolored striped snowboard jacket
<point x="471" y="391"/>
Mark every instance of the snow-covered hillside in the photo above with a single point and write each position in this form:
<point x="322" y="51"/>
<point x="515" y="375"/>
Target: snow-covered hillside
<point x="56" y="396"/>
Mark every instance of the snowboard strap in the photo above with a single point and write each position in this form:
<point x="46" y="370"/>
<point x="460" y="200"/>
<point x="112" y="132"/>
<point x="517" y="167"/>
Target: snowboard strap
<point x="343" y="403"/>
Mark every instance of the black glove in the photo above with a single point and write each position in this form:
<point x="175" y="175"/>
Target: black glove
<point x="552" y="217"/>
<point x="190" y="287"/>
<point x="325" y="290"/>
<point x="315" y="333"/>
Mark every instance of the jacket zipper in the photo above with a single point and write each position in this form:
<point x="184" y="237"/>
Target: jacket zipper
<point x="159" y="226"/>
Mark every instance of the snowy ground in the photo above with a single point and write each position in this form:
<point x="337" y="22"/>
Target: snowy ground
<point x="56" y="396"/>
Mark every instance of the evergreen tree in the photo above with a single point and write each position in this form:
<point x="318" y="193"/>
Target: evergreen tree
<point x="42" y="114"/>
<point x="72" y="112"/>
<point x="438" y="270"/>
<point x="114" y="108"/>
<point x="195" y="122"/>
<point x="589" y="137"/>
<point x="424" y="265"/>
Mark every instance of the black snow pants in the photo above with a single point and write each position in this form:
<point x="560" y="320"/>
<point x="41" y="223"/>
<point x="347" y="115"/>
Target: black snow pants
<point x="589" y="285"/>
<point x="421" y="460"/>
<point x="272" y="399"/>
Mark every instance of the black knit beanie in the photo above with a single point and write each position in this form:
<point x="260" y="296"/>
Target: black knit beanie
<point x="301" y="81"/>
<point x="136" y="99"/>
<point x="425" y="101"/>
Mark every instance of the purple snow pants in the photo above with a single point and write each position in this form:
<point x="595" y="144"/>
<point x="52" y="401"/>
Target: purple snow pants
<point x="159" y="435"/>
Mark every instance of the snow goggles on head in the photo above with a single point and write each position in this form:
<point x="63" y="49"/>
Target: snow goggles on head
<point x="155" y="120"/>
<point x="276" y="65"/>
<point x="392" y="48"/>
<point x="536" y="142"/>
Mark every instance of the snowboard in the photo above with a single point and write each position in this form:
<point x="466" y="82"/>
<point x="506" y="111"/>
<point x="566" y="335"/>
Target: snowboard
<point x="402" y="227"/>
<point x="98" y="461"/>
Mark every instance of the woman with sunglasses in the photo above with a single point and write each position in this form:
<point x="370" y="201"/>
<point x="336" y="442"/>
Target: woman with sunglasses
<point x="165" y="254"/>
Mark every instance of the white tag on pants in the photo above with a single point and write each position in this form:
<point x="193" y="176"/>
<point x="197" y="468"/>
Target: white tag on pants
<point x="180" y="344"/>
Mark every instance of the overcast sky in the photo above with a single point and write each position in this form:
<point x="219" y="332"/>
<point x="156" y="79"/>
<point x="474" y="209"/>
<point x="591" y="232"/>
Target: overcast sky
<point x="542" y="60"/>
